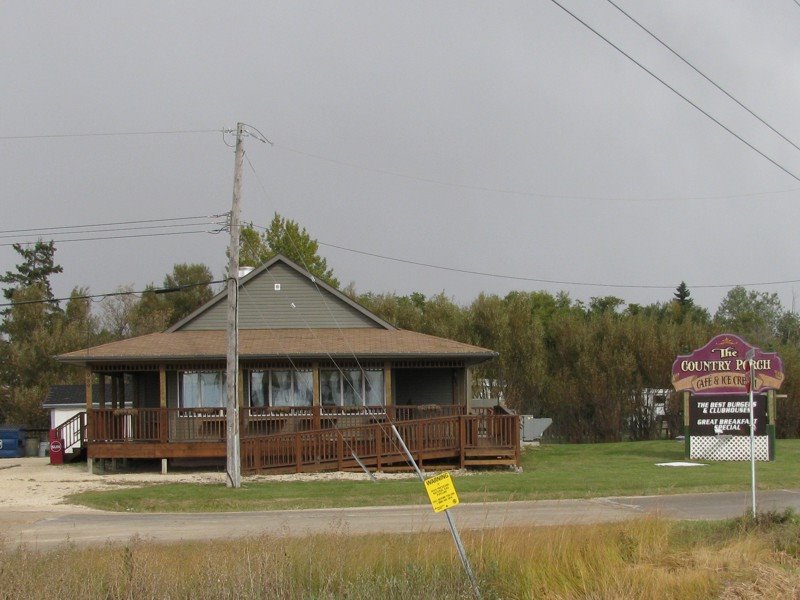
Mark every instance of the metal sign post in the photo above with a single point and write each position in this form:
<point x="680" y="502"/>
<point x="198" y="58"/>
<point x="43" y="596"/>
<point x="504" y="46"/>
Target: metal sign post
<point x="453" y="531"/>
<point x="750" y="357"/>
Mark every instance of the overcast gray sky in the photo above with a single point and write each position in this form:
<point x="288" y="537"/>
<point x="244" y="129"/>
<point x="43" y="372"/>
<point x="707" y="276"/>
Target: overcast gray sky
<point x="497" y="137"/>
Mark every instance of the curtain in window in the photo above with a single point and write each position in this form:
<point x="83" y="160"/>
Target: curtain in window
<point x="203" y="389"/>
<point x="212" y="388"/>
<point x="304" y="388"/>
<point x="190" y="390"/>
<point x="259" y="389"/>
<point x="330" y="387"/>
<point x="281" y="388"/>
<point x="352" y="390"/>
<point x="373" y="388"/>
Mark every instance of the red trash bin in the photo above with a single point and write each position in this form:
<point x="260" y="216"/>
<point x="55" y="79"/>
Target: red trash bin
<point x="56" y="449"/>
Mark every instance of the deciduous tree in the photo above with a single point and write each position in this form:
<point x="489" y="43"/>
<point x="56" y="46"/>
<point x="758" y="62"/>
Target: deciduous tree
<point x="284" y="236"/>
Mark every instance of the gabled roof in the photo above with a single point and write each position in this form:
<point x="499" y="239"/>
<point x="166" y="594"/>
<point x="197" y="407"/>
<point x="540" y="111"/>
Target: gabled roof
<point x="323" y="294"/>
<point x="202" y="336"/>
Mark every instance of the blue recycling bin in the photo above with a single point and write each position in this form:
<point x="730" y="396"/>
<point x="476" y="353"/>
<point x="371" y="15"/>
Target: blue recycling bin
<point x="12" y="442"/>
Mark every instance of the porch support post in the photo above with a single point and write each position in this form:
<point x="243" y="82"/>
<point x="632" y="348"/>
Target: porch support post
<point x="121" y="399"/>
<point x="163" y="414"/>
<point x="462" y="442"/>
<point x="315" y="385"/>
<point x="162" y="386"/>
<point x="387" y="383"/>
<point x="468" y="388"/>
<point x="89" y="417"/>
<point x="88" y="383"/>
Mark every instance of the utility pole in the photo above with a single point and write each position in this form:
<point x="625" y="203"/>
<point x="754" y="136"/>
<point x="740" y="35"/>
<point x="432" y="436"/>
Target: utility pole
<point x="234" y="463"/>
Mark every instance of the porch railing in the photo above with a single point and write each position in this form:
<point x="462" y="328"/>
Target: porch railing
<point x="456" y="437"/>
<point x="209" y="424"/>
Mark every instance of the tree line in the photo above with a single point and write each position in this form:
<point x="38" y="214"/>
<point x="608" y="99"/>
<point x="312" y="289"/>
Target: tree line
<point x="594" y="367"/>
<point x="591" y="366"/>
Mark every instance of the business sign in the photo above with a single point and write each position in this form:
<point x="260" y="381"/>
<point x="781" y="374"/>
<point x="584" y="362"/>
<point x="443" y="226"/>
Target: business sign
<point x="721" y="367"/>
<point x="727" y="415"/>
<point x="441" y="491"/>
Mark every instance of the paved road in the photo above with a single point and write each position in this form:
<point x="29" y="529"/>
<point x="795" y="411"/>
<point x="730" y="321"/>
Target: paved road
<point x="47" y="529"/>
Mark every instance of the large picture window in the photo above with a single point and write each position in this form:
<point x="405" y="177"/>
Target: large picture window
<point x="202" y="389"/>
<point x="281" y="387"/>
<point x="351" y="387"/>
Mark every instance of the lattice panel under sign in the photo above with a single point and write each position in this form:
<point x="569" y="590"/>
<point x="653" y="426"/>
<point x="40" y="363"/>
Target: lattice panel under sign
<point x="734" y="447"/>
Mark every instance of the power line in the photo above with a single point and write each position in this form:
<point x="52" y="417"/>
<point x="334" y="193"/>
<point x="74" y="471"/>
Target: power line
<point x="110" y="229"/>
<point x="119" y="237"/>
<point x="675" y="91"/>
<point x="524" y="193"/>
<point x="517" y="277"/>
<point x="699" y="72"/>
<point x="106" y="134"/>
<point x="550" y="281"/>
<point x="111" y="294"/>
<point x="112" y="223"/>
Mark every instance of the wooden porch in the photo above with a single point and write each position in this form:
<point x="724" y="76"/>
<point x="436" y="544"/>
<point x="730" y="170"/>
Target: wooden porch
<point x="309" y="439"/>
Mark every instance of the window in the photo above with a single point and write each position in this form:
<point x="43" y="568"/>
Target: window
<point x="351" y="387"/>
<point x="281" y="387"/>
<point x="330" y="384"/>
<point x="202" y="389"/>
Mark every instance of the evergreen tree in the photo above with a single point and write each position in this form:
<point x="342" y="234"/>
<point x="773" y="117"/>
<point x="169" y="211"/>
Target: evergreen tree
<point x="682" y="295"/>
<point x="37" y="266"/>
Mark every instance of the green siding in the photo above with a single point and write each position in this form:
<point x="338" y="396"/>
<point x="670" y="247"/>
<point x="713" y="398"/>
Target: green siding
<point x="261" y="306"/>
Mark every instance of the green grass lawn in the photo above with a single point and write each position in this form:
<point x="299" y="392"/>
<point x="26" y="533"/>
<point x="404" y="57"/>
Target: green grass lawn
<point x="549" y="471"/>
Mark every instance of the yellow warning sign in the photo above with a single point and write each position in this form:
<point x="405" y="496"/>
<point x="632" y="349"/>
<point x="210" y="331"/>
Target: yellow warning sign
<point x="441" y="491"/>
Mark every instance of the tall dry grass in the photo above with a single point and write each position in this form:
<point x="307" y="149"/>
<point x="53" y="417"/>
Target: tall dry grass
<point x="643" y="559"/>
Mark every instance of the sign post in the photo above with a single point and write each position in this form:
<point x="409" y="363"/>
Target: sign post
<point x="750" y="357"/>
<point x="442" y="495"/>
<point x="726" y="415"/>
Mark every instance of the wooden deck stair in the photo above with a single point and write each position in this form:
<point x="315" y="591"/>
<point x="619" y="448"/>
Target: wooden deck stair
<point x="73" y="432"/>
